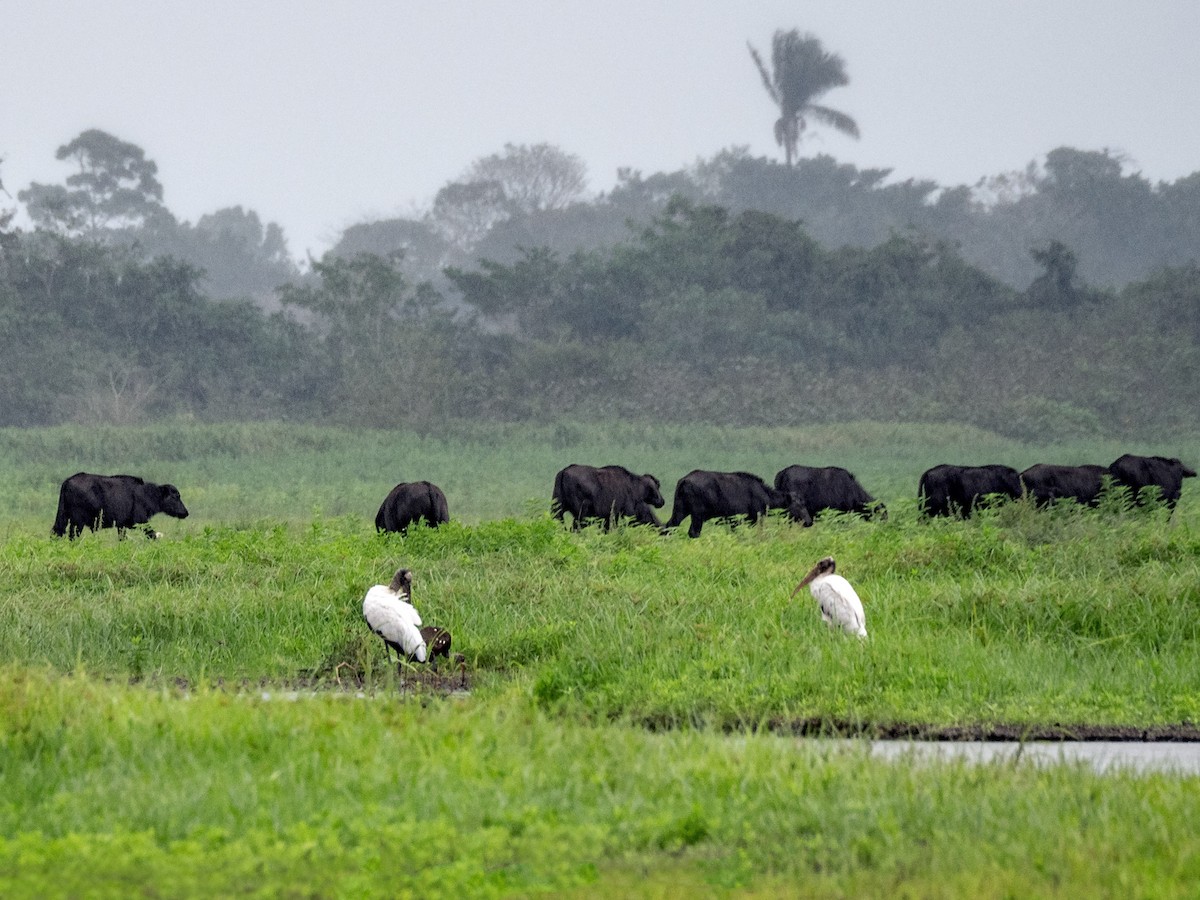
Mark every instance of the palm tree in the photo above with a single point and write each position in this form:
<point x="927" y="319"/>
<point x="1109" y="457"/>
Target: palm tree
<point x="801" y="71"/>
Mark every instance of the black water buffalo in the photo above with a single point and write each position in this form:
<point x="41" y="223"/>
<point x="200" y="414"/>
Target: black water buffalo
<point x="408" y="503"/>
<point x="721" y="495"/>
<point x="828" y="487"/>
<point x="108" y="501"/>
<point x="956" y="490"/>
<point x="609" y="493"/>
<point x="1046" y="483"/>
<point x="1137" y="472"/>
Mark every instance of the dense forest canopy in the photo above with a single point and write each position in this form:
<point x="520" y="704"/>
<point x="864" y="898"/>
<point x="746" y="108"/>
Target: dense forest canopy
<point x="1061" y="300"/>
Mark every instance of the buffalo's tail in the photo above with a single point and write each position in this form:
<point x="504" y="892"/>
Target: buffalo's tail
<point x="556" y="497"/>
<point x="439" y="507"/>
<point x="60" y="519"/>
<point x="924" y="500"/>
<point x="680" y="508"/>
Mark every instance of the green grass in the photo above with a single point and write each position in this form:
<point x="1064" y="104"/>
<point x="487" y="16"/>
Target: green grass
<point x="139" y="758"/>
<point x="1018" y="616"/>
<point x="118" y="791"/>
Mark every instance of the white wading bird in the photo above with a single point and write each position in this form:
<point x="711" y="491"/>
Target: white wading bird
<point x="840" y="606"/>
<point x="389" y="611"/>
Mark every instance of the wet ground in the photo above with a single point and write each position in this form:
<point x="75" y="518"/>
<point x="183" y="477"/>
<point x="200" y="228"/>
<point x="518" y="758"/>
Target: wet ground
<point x="1054" y="731"/>
<point x="1103" y="756"/>
<point x="1166" y="747"/>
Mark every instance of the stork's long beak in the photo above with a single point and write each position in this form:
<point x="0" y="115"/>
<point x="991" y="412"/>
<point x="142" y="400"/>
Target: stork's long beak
<point x="807" y="578"/>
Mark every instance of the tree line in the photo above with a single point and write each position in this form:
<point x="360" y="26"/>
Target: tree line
<point x="1120" y="226"/>
<point x="1117" y="226"/>
<point x="707" y="312"/>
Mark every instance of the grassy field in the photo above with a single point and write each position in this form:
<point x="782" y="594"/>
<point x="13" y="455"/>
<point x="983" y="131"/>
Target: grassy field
<point x="208" y="715"/>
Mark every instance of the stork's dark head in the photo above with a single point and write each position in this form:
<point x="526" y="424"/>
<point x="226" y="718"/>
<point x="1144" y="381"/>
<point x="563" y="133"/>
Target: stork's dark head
<point x="401" y="582"/>
<point x="825" y="567"/>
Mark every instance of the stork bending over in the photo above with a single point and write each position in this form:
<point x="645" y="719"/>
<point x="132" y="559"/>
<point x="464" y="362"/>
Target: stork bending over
<point x="389" y="612"/>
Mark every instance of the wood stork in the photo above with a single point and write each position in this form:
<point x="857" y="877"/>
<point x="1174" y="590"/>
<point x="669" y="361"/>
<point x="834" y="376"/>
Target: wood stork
<point x="840" y="606"/>
<point x="389" y="612"/>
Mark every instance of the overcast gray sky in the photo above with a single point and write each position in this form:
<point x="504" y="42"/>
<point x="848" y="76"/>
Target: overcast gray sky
<point x="321" y="114"/>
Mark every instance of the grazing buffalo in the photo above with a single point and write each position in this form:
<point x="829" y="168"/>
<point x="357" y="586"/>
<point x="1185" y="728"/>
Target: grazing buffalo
<point x="1046" y="483"/>
<point x="609" y="493"/>
<point x="108" y="501"/>
<point x="828" y="487"/>
<point x="722" y="495"/>
<point x="956" y="490"/>
<point x="1137" y="472"/>
<point x="409" y="502"/>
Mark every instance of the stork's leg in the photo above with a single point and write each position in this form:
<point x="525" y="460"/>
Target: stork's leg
<point x="387" y="650"/>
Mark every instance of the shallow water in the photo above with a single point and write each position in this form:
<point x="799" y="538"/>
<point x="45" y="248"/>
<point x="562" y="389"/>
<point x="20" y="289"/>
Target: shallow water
<point x="1103" y="756"/>
<point x="1175" y="757"/>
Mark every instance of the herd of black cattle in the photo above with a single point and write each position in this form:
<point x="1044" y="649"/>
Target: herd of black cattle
<point x="611" y="494"/>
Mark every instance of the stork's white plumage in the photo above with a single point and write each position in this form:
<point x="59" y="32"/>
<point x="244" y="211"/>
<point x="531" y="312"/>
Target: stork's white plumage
<point x="838" y="601"/>
<point x="389" y="611"/>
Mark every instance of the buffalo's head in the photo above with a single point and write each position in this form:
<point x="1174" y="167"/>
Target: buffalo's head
<point x="170" y="502"/>
<point x="652" y="491"/>
<point x="793" y="506"/>
<point x="797" y="511"/>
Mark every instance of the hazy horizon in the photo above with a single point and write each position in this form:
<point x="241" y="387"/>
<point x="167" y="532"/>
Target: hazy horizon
<point x="318" y="116"/>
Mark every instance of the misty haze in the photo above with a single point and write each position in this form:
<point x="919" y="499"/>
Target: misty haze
<point x="772" y="286"/>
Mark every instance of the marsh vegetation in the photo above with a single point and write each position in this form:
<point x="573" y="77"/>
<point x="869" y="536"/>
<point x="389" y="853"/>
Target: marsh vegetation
<point x="209" y="712"/>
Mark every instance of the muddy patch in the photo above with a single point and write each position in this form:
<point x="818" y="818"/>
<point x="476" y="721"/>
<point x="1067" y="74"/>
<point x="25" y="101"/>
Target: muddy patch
<point x="343" y="681"/>
<point x="914" y="731"/>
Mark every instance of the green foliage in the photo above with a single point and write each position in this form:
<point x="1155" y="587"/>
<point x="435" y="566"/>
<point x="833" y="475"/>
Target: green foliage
<point x="527" y="286"/>
<point x="207" y="713"/>
<point x="749" y="322"/>
<point x="723" y="303"/>
<point x="1056" y="286"/>
<point x="422" y="250"/>
<point x="239" y="256"/>
<point x="801" y="71"/>
<point x="114" y="188"/>
<point x="99" y="336"/>
<point x="388" y="353"/>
